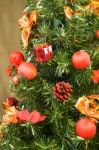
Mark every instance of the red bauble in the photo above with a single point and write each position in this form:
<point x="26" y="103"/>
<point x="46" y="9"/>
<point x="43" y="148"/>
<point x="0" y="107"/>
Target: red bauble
<point x="27" y="70"/>
<point x="81" y="60"/>
<point x="16" y="58"/>
<point x="85" y="128"/>
<point x="97" y="34"/>
<point x="15" y="79"/>
<point x="43" y="52"/>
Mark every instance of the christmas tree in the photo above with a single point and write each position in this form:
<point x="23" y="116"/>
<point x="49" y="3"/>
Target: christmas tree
<point x="54" y="79"/>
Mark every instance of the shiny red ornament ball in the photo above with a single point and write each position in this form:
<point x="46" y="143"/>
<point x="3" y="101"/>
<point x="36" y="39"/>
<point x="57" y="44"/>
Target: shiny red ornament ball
<point x="85" y="128"/>
<point x="81" y="60"/>
<point x="27" y="70"/>
<point x="97" y="34"/>
<point x="15" y="79"/>
<point x="16" y="58"/>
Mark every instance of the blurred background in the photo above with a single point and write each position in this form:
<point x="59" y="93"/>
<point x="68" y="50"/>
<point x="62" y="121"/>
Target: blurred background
<point x="10" y="35"/>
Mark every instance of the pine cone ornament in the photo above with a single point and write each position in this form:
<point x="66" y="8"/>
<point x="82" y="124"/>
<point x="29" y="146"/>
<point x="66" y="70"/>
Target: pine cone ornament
<point x="62" y="90"/>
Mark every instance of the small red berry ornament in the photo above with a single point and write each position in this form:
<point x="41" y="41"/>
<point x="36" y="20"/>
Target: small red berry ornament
<point x="27" y="70"/>
<point x="16" y="58"/>
<point x="85" y="128"/>
<point x="15" y="79"/>
<point x="81" y="60"/>
<point x="97" y="34"/>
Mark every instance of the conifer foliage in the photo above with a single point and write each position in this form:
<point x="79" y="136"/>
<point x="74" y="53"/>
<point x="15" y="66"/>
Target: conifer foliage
<point x="54" y="79"/>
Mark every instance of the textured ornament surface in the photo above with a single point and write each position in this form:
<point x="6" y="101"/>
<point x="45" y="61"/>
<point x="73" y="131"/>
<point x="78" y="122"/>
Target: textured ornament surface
<point x="62" y="91"/>
<point x="43" y="52"/>
<point x="89" y="106"/>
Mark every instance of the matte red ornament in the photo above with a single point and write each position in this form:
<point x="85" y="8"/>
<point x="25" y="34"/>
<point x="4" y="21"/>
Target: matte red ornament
<point x="15" y="79"/>
<point x="27" y="70"/>
<point x="85" y="128"/>
<point x="43" y="52"/>
<point x="9" y="102"/>
<point x="16" y="58"/>
<point x="97" y="34"/>
<point x="81" y="60"/>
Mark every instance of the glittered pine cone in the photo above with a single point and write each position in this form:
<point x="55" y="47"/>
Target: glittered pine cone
<point x="62" y="90"/>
